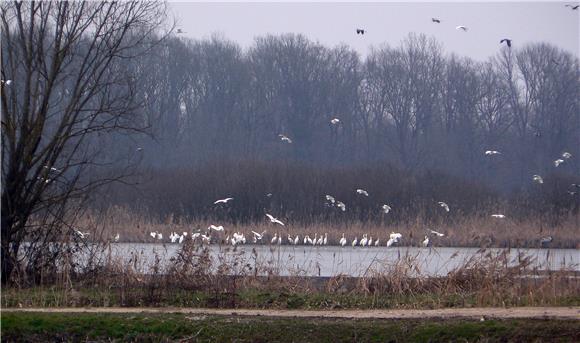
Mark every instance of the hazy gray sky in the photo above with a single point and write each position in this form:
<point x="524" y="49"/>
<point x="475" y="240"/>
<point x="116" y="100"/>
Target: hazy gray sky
<point x="332" y="23"/>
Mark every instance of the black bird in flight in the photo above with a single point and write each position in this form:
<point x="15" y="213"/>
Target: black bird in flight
<point x="572" y="7"/>
<point x="508" y="41"/>
<point x="435" y="20"/>
<point x="360" y="31"/>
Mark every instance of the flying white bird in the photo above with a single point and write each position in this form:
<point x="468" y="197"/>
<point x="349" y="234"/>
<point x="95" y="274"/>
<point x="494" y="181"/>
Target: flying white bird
<point x="437" y="233"/>
<point x="342" y="240"/>
<point x="538" y="179"/>
<point x="461" y="27"/>
<point x="284" y="138"/>
<point x="274" y="220"/>
<point x="330" y="198"/>
<point x="426" y="241"/>
<point x="386" y="208"/>
<point x="258" y="236"/>
<point x="492" y="152"/>
<point x="335" y="121"/>
<point x="341" y="205"/>
<point x="216" y="228"/>
<point x="223" y="201"/>
<point x="362" y="192"/>
<point x="500" y="216"/>
<point x="396" y="236"/>
<point x="558" y="162"/>
<point x="444" y="205"/>
<point x="566" y="155"/>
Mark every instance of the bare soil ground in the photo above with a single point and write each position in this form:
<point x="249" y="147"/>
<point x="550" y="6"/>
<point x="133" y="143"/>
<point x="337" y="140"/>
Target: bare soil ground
<point x="468" y="313"/>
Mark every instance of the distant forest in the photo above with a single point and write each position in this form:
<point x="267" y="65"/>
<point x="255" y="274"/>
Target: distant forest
<point x="414" y="123"/>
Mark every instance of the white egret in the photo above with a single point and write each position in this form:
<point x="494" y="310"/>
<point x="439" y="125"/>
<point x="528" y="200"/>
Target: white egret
<point x="362" y="192"/>
<point x="538" y="179"/>
<point x="173" y="237"/>
<point x="216" y="228"/>
<point x="290" y="240"/>
<point x="222" y="201"/>
<point x="159" y="235"/>
<point x="363" y="240"/>
<point x="342" y="240"/>
<point x="370" y="242"/>
<point x="320" y="240"/>
<point x="206" y="239"/>
<point x="152" y="234"/>
<point x="377" y="243"/>
<point x="354" y="242"/>
<point x="335" y="121"/>
<point x="546" y="240"/>
<point x="444" y="205"/>
<point x="558" y="162"/>
<point x="386" y="208"/>
<point x="274" y="239"/>
<point x="391" y="242"/>
<point x="325" y="240"/>
<point x="296" y="240"/>
<point x="566" y="155"/>
<point x="274" y="220"/>
<point x="284" y="138"/>
<point x="279" y="239"/>
<point x="492" y="152"/>
<point x="500" y="216"/>
<point x="437" y="233"/>
<point x="308" y="240"/>
<point x="330" y="198"/>
<point x="117" y="237"/>
<point x="182" y="237"/>
<point x="7" y="82"/>
<point x="82" y="235"/>
<point x="396" y="236"/>
<point x="341" y="205"/>
<point x="426" y="241"/>
<point x="258" y="236"/>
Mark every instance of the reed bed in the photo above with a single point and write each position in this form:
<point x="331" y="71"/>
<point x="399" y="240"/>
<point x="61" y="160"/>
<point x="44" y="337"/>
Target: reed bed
<point x="479" y="230"/>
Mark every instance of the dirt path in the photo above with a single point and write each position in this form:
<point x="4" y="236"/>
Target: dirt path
<point x="471" y="313"/>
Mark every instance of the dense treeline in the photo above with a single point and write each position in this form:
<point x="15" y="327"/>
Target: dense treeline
<point x="411" y="107"/>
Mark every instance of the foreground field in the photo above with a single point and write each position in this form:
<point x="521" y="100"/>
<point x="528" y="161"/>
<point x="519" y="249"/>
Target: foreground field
<point x="43" y="327"/>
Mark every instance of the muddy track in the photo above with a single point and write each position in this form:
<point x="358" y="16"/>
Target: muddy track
<point x="467" y="313"/>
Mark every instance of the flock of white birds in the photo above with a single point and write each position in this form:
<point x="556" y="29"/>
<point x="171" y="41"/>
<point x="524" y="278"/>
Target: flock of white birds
<point x="238" y="238"/>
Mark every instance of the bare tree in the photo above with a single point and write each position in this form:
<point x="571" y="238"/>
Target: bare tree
<point x="71" y="90"/>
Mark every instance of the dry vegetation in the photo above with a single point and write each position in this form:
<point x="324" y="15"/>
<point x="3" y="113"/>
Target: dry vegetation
<point x="467" y="231"/>
<point x="195" y="278"/>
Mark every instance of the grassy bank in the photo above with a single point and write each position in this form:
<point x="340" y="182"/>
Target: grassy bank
<point x="42" y="327"/>
<point x="276" y="297"/>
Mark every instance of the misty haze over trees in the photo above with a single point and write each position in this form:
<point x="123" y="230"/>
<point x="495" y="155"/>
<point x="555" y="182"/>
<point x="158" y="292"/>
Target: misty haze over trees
<point x="414" y="125"/>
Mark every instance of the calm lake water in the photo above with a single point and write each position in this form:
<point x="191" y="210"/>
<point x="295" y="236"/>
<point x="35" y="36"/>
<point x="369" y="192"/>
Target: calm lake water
<point x="333" y="260"/>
